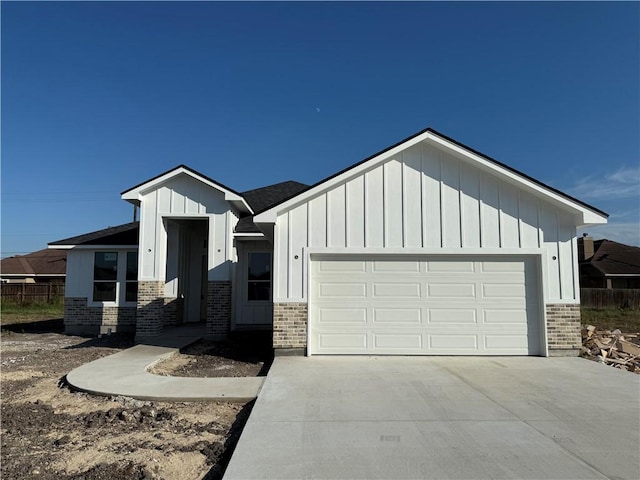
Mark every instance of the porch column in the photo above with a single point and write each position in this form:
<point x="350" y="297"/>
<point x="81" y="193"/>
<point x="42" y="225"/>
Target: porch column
<point x="150" y="309"/>
<point x="218" y="309"/>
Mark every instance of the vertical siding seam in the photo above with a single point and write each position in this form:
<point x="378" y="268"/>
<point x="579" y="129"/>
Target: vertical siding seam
<point x="155" y="235"/>
<point x="326" y="219"/>
<point x="423" y="223"/>
<point x="289" y="265"/>
<point x="538" y="226"/>
<point x="441" y="206"/>
<point x="480" y="216"/>
<point x="308" y="204"/>
<point x="460" y="209"/>
<point x="302" y="257"/>
<point x="519" y="199"/>
<point x="402" y="202"/>
<point x="364" y="209"/>
<point x="346" y="214"/>
<point x="559" y="259"/>
<point x="500" y="233"/>
<point x="384" y="208"/>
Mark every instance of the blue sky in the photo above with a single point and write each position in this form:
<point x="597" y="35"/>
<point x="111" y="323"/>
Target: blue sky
<point x="98" y="97"/>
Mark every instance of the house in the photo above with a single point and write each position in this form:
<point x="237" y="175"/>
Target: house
<point x="42" y="266"/>
<point x="426" y="248"/>
<point x="608" y="264"/>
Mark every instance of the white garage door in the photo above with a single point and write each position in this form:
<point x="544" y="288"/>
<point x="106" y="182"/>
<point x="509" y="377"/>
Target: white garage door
<point x="424" y="305"/>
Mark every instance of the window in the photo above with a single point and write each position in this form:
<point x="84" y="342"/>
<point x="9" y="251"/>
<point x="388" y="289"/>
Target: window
<point x="105" y="276"/>
<point x="259" y="277"/>
<point x="131" y="287"/>
<point x="115" y="277"/>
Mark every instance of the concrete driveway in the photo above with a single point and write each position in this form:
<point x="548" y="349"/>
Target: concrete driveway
<point x="442" y="418"/>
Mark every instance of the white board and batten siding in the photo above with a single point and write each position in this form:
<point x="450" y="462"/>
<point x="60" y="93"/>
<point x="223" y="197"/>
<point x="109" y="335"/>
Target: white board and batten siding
<point x="183" y="197"/>
<point x="424" y="199"/>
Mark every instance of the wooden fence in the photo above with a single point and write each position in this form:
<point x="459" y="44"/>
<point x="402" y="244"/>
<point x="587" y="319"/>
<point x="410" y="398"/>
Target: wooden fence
<point x="26" y="293"/>
<point x="616" y="297"/>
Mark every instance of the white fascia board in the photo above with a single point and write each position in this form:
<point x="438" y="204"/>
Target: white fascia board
<point x="591" y="218"/>
<point x="269" y="216"/>
<point x="248" y="235"/>
<point x="60" y="247"/>
<point x="134" y="195"/>
<point x="588" y="217"/>
<point x="101" y="247"/>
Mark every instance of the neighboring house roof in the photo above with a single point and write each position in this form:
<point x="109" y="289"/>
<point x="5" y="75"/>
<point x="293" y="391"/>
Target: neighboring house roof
<point x="264" y="197"/>
<point x="43" y="263"/>
<point x="613" y="258"/>
<point x="589" y="213"/>
<point x="126" y="234"/>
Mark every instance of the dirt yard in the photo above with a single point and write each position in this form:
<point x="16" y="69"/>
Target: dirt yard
<point x="49" y="432"/>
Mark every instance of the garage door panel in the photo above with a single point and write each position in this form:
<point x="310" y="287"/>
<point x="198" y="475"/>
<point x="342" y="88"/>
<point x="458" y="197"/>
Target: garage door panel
<point x="346" y="341"/>
<point x="342" y="290"/>
<point x="494" y="316"/>
<point x="397" y="267"/>
<point x="450" y="266"/>
<point x="451" y="290"/>
<point x="342" y="266"/>
<point x="397" y="315"/>
<point x="451" y="316"/>
<point x="501" y="266"/>
<point x="453" y="343"/>
<point x="342" y="315"/>
<point x="445" y="306"/>
<point x="408" y="341"/>
<point x="506" y="342"/>
<point x="397" y="290"/>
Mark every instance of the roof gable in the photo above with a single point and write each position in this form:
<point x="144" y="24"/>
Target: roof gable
<point x="135" y="194"/>
<point x="587" y="213"/>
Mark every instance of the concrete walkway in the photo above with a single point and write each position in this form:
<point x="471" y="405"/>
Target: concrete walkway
<point x="441" y="418"/>
<point x="126" y="373"/>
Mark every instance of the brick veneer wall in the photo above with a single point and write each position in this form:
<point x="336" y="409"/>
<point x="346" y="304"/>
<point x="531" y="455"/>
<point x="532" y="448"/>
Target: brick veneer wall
<point x="290" y="327"/>
<point x="563" y="329"/>
<point x="150" y="309"/>
<point x="81" y="319"/>
<point x="218" y="310"/>
<point x="173" y="308"/>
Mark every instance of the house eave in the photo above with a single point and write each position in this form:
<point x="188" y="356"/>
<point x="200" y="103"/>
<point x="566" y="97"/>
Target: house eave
<point x="586" y="215"/>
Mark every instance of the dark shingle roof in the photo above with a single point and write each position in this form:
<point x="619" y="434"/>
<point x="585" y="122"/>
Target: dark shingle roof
<point x="613" y="258"/>
<point x="126" y="234"/>
<point x="265" y="197"/>
<point x="47" y="262"/>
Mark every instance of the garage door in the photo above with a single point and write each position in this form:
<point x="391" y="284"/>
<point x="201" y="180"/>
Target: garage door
<point x="424" y="305"/>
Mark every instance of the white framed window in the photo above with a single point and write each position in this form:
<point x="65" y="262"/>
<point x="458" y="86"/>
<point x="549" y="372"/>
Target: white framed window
<point x="115" y="277"/>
